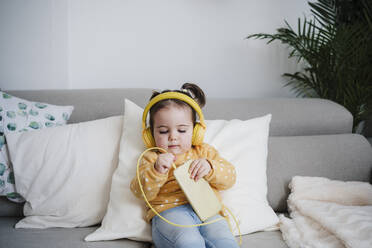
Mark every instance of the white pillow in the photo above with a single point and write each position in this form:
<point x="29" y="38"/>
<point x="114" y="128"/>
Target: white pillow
<point x="64" y="173"/>
<point x="243" y="143"/>
<point x="20" y="115"/>
<point x="125" y="213"/>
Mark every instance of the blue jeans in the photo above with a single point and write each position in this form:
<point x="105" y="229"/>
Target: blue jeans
<point x="164" y="235"/>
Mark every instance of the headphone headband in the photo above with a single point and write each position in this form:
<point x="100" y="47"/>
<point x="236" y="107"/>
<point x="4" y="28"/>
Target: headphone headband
<point x="173" y="95"/>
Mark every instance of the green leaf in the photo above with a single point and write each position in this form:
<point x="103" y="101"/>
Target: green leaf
<point x="12" y="126"/>
<point x="49" y="124"/>
<point x="6" y="96"/>
<point x="49" y="117"/>
<point x="2" y="169"/>
<point x="41" y="105"/>
<point x="34" y="125"/>
<point x="2" y="141"/>
<point x="11" y="114"/>
<point x="33" y="112"/>
<point x="65" y="116"/>
<point x="22" y="113"/>
<point x="22" y="105"/>
<point x="11" y="178"/>
<point x="13" y="195"/>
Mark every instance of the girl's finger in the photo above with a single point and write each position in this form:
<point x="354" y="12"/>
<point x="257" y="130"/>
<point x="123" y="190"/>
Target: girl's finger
<point x="195" y="169"/>
<point x="201" y="173"/>
<point x="191" y="167"/>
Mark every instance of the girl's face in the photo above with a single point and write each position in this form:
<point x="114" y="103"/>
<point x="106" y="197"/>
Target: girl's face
<point x="173" y="128"/>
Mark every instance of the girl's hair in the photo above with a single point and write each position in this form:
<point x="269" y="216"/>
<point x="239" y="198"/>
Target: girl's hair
<point x="189" y="89"/>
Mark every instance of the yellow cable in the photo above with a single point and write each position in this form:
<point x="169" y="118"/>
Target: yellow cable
<point x="169" y="222"/>
<point x="237" y="225"/>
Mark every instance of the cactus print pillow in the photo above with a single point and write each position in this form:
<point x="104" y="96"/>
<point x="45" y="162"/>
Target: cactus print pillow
<point x="19" y="115"/>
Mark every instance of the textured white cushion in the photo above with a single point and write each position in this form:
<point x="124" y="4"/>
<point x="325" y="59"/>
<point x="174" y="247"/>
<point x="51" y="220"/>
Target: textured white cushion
<point x="20" y="115"/>
<point x="125" y="213"/>
<point x="64" y="173"/>
<point x="243" y="143"/>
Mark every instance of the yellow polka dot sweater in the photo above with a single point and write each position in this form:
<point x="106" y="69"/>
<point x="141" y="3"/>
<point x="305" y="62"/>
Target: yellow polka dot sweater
<point x="163" y="191"/>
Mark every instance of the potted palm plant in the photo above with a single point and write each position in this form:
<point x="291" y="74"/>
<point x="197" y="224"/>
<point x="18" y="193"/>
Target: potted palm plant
<point x="335" y="48"/>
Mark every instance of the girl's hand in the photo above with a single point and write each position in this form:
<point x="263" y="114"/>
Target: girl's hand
<point x="164" y="162"/>
<point x="199" y="168"/>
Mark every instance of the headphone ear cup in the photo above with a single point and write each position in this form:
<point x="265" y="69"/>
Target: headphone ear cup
<point x="147" y="138"/>
<point x="198" y="134"/>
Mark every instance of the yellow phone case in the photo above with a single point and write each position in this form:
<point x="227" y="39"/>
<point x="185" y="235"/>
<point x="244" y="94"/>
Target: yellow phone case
<point x="200" y="194"/>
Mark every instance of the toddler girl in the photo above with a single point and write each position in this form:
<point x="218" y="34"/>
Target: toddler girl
<point x="171" y="123"/>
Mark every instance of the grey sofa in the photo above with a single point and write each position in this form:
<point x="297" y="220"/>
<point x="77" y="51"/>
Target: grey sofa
<point x="309" y="137"/>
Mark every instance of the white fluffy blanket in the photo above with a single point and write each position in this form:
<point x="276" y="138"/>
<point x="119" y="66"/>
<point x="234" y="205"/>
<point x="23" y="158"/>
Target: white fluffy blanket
<point x="327" y="213"/>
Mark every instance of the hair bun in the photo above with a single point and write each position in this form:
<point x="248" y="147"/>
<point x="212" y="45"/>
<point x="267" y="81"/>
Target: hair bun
<point x="196" y="93"/>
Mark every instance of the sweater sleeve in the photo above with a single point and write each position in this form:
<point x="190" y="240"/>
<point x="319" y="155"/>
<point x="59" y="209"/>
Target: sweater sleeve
<point x="151" y="180"/>
<point x="223" y="174"/>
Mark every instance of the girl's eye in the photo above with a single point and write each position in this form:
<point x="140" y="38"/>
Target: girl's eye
<point x="182" y="131"/>
<point x="163" y="132"/>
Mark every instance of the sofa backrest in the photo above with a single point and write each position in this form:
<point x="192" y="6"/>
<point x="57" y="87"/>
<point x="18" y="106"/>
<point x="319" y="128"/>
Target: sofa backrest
<point x="290" y="116"/>
<point x="310" y="137"/>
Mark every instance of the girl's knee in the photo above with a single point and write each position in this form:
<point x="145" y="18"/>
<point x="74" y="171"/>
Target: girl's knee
<point x="222" y="243"/>
<point x="190" y="241"/>
<point x="166" y="235"/>
<point x="219" y="235"/>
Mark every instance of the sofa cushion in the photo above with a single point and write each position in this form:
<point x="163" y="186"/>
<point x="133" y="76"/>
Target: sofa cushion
<point x="8" y="208"/>
<point x="73" y="237"/>
<point x="54" y="237"/>
<point x="346" y="157"/>
<point x="264" y="240"/>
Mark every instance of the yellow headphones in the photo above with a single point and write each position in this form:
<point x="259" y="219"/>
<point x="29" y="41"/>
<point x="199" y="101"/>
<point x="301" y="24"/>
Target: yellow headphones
<point x="199" y="128"/>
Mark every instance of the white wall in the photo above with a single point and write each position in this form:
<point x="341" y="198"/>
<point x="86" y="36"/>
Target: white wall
<point x="55" y="44"/>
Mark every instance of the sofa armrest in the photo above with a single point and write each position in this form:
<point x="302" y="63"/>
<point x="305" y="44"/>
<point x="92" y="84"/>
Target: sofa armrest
<point x="346" y="157"/>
